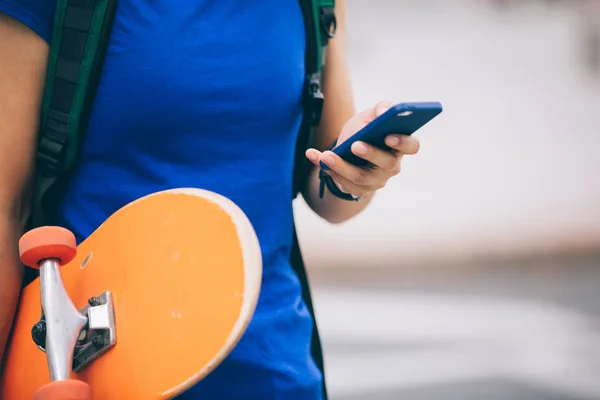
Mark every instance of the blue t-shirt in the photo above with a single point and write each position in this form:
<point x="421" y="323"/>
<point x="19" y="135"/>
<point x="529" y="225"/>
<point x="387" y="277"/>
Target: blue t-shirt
<point x="201" y="93"/>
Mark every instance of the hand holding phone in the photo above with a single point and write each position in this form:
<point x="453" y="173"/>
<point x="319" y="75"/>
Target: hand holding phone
<point x="403" y="118"/>
<point x="353" y="171"/>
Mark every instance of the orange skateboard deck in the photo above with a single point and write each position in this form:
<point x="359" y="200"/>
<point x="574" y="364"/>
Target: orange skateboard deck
<point x="162" y="292"/>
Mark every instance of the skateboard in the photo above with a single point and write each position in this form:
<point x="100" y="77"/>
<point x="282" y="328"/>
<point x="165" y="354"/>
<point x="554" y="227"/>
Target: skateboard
<point x="144" y="308"/>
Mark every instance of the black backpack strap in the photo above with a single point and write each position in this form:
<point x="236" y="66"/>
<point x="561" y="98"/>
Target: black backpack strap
<point x="80" y="38"/>
<point x="320" y="22"/>
<point x="300" y="269"/>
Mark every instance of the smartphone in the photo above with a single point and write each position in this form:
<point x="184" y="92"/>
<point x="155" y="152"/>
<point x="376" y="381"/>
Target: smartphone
<point x="403" y="118"/>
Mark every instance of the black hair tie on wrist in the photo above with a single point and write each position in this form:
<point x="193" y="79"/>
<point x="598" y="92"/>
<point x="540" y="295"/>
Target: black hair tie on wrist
<point x="326" y="180"/>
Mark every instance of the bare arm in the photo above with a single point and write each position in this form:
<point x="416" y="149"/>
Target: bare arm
<point x="23" y="58"/>
<point x="338" y="109"/>
<point x="341" y="122"/>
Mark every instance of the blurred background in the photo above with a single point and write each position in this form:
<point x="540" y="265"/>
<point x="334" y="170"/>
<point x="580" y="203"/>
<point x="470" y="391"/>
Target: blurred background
<point x="475" y="274"/>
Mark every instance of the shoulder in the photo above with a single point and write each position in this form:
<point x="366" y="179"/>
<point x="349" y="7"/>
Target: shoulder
<point x="38" y="15"/>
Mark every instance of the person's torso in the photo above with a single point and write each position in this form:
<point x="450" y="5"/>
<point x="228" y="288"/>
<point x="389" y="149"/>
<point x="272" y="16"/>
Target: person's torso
<point x="208" y="94"/>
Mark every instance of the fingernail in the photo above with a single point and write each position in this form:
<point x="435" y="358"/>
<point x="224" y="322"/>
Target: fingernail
<point x="393" y="140"/>
<point x="312" y="157"/>
<point x="360" y="148"/>
<point x="383" y="109"/>
<point x="329" y="160"/>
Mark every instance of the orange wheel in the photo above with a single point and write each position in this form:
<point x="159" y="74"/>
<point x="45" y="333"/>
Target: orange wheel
<point x="47" y="242"/>
<point x="70" y="389"/>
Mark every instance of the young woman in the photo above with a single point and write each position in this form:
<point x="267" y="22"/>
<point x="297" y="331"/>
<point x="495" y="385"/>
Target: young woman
<point x="196" y="93"/>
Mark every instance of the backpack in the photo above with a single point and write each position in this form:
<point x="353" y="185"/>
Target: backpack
<point x="79" y="43"/>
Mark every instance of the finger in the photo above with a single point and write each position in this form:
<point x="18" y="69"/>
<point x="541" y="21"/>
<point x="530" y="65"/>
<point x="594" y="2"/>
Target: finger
<point x="388" y="161"/>
<point x="403" y="143"/>
<point x="345" y="173"/>
<point x="347" y="186"/>
<point x="369" y="114"/>
<point x="313" y="155"/>
<point x="381" y="108"/>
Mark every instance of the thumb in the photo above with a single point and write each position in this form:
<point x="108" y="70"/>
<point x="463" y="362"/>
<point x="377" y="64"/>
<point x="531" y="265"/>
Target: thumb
<point x="363" y="118"/>
<point x="370" y="114"/>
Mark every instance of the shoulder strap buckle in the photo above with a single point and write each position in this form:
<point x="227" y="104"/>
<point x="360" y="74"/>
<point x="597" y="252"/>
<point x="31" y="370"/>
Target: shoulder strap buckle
<point x="315" y="99"/>
<point x="328" y="22"/>
<point x="50" y="152"/>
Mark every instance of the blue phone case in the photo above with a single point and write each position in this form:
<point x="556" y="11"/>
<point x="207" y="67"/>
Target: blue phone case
<point x="403" y="118"/>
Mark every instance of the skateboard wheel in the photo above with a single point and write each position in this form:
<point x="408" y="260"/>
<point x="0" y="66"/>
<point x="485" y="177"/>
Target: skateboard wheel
<point x="70" y="389"/>
<point x="47" y="242"/>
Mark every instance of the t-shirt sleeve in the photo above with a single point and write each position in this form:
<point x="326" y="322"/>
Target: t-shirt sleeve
<point x="36" y="14"/>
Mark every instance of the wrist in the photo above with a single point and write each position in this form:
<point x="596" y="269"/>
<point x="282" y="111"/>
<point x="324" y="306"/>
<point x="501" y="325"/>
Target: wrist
<point x="331" y="208"/>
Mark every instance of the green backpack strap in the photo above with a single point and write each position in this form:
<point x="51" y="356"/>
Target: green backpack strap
<point x="320" y="22"/>
<point x="80" y="38"/>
